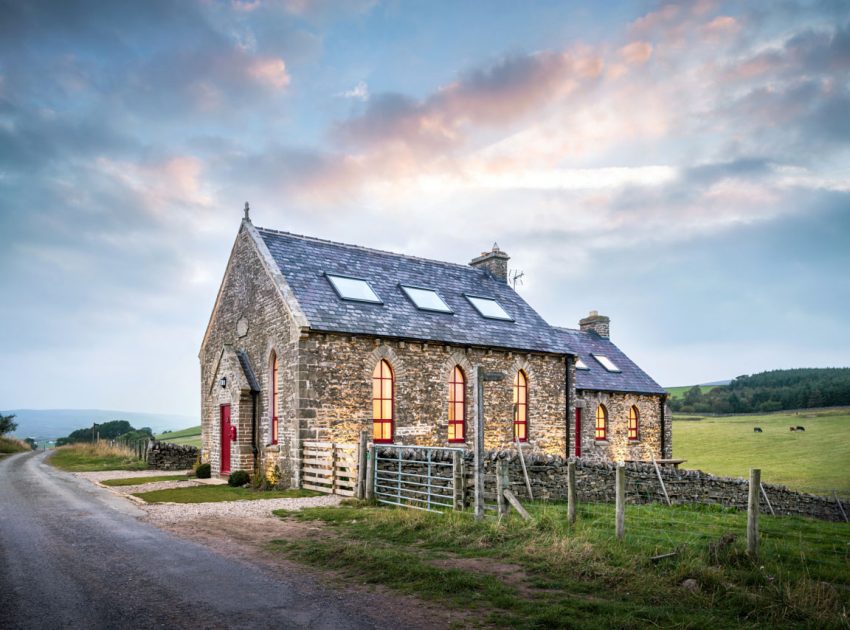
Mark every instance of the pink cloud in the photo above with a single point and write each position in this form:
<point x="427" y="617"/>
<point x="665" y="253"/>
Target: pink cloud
<point x="636" y="52"/>
<point x="270" y="71"/>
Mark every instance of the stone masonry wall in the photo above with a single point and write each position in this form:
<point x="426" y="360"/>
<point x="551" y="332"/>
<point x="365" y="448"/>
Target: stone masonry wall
<point x="250" y="316"/>
<point x="167" y="456"/>
<point x="595" y="483"/>
<point x="617" y="446"/>
<point x="335" y="391"/>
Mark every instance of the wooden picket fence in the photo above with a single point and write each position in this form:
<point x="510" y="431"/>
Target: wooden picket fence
<point x="329" y="467"/>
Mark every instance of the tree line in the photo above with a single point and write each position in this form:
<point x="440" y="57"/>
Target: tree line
<point x="776" y="390"/>
<point x="112" y="430"/>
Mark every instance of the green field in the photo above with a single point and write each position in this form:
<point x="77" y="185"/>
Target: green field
<point x="679" y="392"/>
<point x="190" y="436"/>
<point x="817" y="460"/>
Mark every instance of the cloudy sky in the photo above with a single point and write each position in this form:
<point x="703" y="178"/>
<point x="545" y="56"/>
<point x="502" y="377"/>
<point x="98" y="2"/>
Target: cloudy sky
<point x="683" y="168"/>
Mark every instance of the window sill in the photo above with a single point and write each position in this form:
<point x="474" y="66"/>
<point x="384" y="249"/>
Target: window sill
<point x="274" y="448"/>
<point x="602" y="442"/>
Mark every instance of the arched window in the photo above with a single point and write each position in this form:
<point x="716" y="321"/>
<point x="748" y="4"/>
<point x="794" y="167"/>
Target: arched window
<point x="601" y="422"/>
<point x="521" y="406"/>
<point x="273" y="397"/>
<point x="382" y="403"/>
<point x="457" y="406"/>
<point x="634" y="417"/>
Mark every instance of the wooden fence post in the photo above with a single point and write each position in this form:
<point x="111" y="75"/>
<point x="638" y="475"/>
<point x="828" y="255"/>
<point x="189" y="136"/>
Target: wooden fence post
<point x="753" y="513"/>
<point x="620" y="487"/>
<point x="457" y="479"/>
<point x="479" y="444"/>
<point x="571" y="492"/>
<point x="370" y="474"/>
<point x="360" y="492"/>
<point x="502" y="484"/>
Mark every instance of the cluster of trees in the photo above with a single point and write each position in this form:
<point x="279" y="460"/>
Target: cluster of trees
<point x="776" y="390"/>
<point x="7" y="424"/>
<point x="113" y="430"/>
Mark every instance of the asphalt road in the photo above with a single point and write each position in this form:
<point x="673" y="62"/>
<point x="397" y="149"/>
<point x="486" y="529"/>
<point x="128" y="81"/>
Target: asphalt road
<point x="73" y="555"/>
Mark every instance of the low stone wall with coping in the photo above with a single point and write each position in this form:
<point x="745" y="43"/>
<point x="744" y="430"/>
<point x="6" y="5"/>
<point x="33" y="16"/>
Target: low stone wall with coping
<point x="168" y="456"/>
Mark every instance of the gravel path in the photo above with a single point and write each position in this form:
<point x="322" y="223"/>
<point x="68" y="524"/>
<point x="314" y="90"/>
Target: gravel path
<point x="169" y="513"/>
<point x="124" y="474"/>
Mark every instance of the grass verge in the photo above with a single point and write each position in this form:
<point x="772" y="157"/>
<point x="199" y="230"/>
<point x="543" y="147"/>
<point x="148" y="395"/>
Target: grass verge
<point x="11" y="445"/>
<point x="545" y="573"/>
<point x="190" y="436"/>
<point x="137" y="481"/>
<point x="214" y="494"/>
<point x="95" y="457"/>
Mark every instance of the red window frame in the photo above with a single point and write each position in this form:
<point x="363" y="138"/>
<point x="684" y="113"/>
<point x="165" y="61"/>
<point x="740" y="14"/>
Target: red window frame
<point x="383" y="403"/>
<point x="274" y="395"/>
<point x="457" y="406"/>
<point x="521" y="406"/>
<point x="634" y="419"/>
<point x="601" y="423"/>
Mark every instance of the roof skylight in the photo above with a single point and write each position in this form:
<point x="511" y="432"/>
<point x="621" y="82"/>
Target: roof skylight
<point x="426" y="299"/>
<point x="606" y="363"/>
<point x="581" y="365"/>
<point x="353" y="289"/>
<point x="489" y="308"/>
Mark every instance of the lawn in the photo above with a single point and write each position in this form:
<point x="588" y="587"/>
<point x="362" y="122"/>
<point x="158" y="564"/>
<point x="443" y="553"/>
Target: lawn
<point x="544" y="573"/>
<point x="190" y="436"/>
<point x="137" y="481"/>
<point x="817" y="460"/>
<point x="95" y="457"/>
<point x="679" y="392"/>
<point x="214" y="494"/>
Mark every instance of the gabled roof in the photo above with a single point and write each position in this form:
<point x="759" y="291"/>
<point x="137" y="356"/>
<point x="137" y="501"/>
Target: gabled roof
<point x="303" y="261"/>
<point x="585" y="344"/>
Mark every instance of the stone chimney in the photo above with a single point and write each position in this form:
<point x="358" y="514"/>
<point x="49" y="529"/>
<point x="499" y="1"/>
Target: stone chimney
<point x="495" y="261"/>
<point x="597" y="323"/>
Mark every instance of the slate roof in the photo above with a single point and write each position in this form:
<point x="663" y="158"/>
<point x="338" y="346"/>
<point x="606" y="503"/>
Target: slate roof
<point x="303" y="261"/>
<point x="245" y="363"/>
<point x="630" y="378"/>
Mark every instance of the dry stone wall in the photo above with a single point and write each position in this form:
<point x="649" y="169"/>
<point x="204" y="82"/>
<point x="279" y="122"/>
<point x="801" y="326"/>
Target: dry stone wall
<point x="167" y="456"/>
<point x="595" y="483"/>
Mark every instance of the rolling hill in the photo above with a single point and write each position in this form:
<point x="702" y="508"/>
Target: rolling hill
<point x="54" y="423"/>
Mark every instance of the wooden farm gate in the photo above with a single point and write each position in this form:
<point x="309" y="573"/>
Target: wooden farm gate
<point x="329" y="467"/>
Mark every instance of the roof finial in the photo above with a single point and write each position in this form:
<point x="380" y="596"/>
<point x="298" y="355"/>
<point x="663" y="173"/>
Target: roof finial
<point x="496" y="247"/>
<point x="247" y="210"/>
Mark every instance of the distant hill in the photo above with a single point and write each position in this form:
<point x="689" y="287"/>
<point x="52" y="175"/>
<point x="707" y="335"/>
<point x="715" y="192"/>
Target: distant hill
<point x="775" y="390"/>
<point x="53" y="423"/>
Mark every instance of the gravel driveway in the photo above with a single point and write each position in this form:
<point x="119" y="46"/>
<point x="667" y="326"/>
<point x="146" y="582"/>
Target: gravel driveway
<point x="170" y="513"/>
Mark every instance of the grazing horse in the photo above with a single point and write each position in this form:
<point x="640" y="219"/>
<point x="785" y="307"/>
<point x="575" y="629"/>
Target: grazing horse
<point x="801" y="428"/>
<point x="757" y="430"/>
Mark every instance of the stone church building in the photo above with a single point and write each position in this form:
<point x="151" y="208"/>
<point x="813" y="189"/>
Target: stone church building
<point x="315" y="340"/>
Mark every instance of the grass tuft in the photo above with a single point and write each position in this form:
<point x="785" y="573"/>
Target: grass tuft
<point x="215" y="494"/>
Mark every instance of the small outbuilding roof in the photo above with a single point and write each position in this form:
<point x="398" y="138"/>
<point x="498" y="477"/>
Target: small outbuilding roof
<point x="588" y="345"/>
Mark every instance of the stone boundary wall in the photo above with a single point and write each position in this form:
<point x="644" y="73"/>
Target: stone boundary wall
<point x="167" y="456"/>
<point x="595" y="483"/>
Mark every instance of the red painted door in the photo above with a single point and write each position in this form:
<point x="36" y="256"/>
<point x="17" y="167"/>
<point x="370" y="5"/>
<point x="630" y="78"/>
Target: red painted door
<point x="578" y="432"/>
<point x="225" y="439"/>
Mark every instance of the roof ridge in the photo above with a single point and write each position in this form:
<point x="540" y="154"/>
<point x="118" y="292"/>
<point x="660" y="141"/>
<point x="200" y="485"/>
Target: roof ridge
<point x="367" y="249"/>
